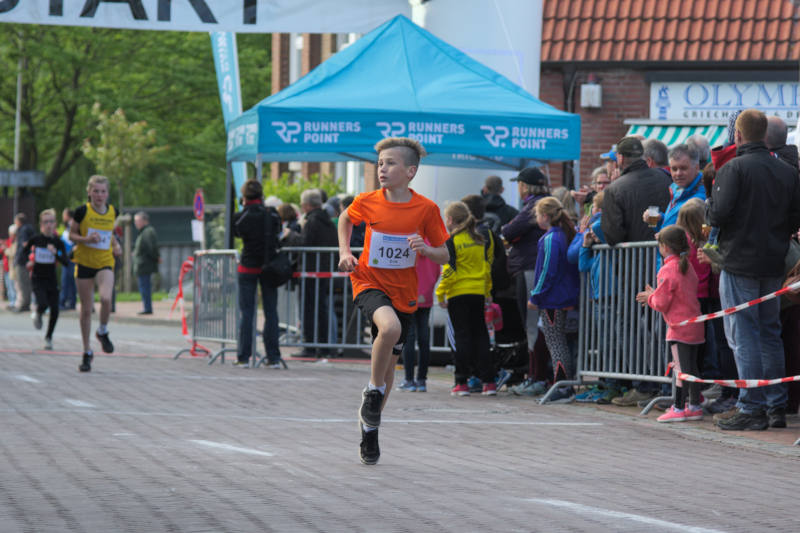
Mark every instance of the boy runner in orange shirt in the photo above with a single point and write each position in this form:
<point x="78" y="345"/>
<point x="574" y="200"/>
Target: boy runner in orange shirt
<point x="384" y="280"/>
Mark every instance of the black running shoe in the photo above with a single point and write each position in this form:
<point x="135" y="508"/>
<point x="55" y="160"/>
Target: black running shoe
<point x="777" y="418"/>
<point x="86" y="364"/>
<point x="744" y="421"/>
<point x="105" y="342"/>
<point x="370" y="412"/>
<point x="370" y="451"/>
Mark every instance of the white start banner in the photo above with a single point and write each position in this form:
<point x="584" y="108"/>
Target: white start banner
<point x="240" y="16"/>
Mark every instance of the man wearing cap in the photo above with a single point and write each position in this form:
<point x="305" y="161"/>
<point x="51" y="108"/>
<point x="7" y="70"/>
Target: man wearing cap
<point x="495" y="204"/>
<point x="637" y="188"/>
<point x="524" y="233"/>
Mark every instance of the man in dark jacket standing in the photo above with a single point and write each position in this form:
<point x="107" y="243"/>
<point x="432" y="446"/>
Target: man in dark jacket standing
<point x="318" y="230"/>
<point x="145" y="259"/>
<point x="756" y="204"/>
<point x="259" y="228"/>
<point x="637" y="188"/>
<point x="523" y="233"/>
<point x="496" y="207"/>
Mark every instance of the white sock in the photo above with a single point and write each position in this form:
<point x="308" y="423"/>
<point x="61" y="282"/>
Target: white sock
<point x="694" y="407"/>
<point x="382" y="388"/>
<point x="102" y="329"/>
<point x="367" y="429"/>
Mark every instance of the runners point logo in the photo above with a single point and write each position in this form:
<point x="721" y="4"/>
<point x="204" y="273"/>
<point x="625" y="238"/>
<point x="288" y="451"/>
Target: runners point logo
<point x="315" y="132"/>
<point x="287" y="130"/>
<point x="523" y="137"/>
<point x="424" y="132"/>
<point x="495" y="135"/>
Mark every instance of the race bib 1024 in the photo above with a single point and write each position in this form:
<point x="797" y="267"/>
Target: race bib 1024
<point x="391" y="251"/>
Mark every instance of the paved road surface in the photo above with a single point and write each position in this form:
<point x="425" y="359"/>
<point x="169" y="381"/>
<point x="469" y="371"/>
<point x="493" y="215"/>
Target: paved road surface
<point x="145" y="443"/>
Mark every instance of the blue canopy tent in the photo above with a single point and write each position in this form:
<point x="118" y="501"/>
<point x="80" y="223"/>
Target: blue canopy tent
<point x="401" y="80"/>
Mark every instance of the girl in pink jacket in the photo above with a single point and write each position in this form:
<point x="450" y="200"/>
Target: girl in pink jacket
<point x="675" y="297"/>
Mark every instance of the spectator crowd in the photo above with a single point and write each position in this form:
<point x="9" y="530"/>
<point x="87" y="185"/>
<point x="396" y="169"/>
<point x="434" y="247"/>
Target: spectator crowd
<point x="725" y="220"/>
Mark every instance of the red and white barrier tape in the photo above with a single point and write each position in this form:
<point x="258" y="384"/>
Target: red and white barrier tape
<point x="731" y="310"/>
<point x="739" y="383"/>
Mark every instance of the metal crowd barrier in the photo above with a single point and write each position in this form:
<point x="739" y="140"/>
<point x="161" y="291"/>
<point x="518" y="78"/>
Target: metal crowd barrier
<point x="320" y="285"/>
<point x="215" y="306"/>
<point x="618" y="338"/>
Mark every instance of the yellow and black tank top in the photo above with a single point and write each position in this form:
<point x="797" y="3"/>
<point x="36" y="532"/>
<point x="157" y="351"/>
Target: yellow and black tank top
<point x="99" y="254"/>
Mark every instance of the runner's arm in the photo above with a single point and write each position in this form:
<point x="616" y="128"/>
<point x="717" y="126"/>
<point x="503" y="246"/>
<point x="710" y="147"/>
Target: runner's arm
<point x="347" y="262"/>
<point x="438" y="255"/>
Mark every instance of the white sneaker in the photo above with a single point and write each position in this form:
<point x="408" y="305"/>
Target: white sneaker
<point x="48" y="344"/>
<point x="37" y="320"/>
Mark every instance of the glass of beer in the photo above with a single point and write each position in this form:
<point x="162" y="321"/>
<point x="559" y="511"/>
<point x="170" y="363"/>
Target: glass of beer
<point x="653" y="215"/>
<point x="706" y="229"/>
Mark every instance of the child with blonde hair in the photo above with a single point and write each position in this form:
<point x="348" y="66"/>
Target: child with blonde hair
<point x="47" y="248"/>
<point x="555" y="290"/>
<point x="464" y="291"/>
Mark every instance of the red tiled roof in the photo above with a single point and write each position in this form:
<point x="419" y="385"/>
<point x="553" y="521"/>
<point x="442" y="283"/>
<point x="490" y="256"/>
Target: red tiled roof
<point x="670" y="30"/>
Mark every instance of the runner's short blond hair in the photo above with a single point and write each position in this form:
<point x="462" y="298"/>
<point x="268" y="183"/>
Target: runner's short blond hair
<point x="412" y="153"/>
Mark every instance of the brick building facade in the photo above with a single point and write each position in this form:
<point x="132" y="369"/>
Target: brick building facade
<point x="629" y="46"/>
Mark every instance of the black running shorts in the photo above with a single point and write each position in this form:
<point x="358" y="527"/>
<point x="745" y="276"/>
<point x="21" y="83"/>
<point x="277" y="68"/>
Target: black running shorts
<point x="369" y="301"/>
<point x="83" y="272"/>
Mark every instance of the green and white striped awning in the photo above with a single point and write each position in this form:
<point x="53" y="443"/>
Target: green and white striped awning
<point x="672" y="135"/>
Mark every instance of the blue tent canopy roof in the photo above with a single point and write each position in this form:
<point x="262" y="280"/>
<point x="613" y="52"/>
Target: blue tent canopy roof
<point x="401" y="80"/>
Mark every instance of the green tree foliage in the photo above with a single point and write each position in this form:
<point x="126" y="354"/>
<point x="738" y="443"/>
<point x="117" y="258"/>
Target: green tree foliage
<point x="288" y="189"/>
<point x="166" y="79"/>
<point x="124" y="150"/>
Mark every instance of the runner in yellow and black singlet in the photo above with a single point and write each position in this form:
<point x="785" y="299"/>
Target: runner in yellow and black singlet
<point x="92" y="232"/>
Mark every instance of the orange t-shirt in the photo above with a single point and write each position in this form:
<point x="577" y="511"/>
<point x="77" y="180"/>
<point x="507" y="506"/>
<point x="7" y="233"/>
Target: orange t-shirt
<point x="388" y="226"/>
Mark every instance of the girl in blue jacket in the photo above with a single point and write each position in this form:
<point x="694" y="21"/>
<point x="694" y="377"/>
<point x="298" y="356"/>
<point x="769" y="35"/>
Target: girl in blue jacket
<point x="556" y="287"/>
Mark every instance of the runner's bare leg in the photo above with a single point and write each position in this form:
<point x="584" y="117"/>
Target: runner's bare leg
<point x="105" y="286"/>
<point x="389" y="330"/>
<point x="86" y="294"/>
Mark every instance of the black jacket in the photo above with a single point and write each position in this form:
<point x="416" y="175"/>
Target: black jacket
<point x="788" y="154"/>
<point x="319" y="230"/>
<point x="756" y="205"/>
<point x="627" y="198"/>
<point x="259" y="228"/>
<point x="497" y="205"/>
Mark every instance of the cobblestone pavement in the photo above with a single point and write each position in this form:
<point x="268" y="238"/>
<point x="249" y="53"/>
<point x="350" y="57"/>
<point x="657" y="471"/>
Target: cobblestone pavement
<point x="146" y="443"/>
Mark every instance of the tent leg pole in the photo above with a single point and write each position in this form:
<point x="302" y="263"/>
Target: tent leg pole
<point x="228" y="205"/>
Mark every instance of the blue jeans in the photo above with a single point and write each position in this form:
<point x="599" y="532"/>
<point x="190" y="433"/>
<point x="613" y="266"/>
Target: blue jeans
<point x="754" y="334"/>
<point x="248" y="289"/>
<point x="419" y="332"/>
<point x="68" y="295"/>
<point x="146" y="291"/>
<point x="11" y="290"/>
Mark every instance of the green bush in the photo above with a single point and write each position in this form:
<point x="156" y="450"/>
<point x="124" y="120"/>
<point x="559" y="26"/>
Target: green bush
<point x="288" y="189"/>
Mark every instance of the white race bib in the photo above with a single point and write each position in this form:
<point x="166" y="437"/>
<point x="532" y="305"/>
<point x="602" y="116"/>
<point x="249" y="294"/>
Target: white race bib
<point x="43" y="255"/>
<point x="391" y="251"/>
<point x="105" y="239"/>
